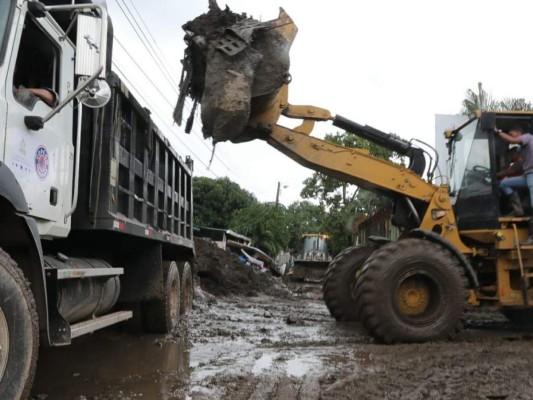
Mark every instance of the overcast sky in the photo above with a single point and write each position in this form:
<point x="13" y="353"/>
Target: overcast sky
<point x="389" y="64"/>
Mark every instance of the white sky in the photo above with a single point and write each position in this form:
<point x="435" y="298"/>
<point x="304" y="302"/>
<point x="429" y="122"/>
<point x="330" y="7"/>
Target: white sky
<point x="389" y="64"/>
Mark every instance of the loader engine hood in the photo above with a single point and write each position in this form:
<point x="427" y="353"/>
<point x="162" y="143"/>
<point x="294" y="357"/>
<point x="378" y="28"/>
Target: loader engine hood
<point x="234" y="67"/>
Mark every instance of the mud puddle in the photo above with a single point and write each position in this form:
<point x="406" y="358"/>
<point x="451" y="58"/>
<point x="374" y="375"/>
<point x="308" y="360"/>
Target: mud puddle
<point x="267" y="347"/>
<point x="113" y="365"/>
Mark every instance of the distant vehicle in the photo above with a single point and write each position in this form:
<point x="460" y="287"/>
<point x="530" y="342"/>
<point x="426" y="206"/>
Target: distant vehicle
<point x="312" y="260"/>
<point x="314" y="247"/>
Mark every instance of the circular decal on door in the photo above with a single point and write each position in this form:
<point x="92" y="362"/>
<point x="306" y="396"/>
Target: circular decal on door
<point x="41" y="162"/>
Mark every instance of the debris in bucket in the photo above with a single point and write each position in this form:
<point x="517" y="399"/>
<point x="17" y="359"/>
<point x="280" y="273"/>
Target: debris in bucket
<point x="232" y="63"/>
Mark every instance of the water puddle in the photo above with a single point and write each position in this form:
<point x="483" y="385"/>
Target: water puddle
<point x="300" y="366"/>
<point x="119" y="365"/>
<point x="262" y="364"/>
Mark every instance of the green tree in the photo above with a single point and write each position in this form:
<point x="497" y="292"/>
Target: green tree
<point x="217" y="200"/>
<point x="482" y="100"/>
<point x="265" y="224"/>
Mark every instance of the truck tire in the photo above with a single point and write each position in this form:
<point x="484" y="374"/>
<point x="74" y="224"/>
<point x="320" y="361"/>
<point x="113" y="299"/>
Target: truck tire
<point x="162" y="316"/>
<point x="411" y="290"/>
<point x="339" y="281"/>
<point x="19" y="333"/>
<point x="187" y="287"/>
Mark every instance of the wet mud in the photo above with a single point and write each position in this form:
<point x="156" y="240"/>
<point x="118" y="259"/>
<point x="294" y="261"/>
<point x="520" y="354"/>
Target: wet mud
<point x="256" y="345"/>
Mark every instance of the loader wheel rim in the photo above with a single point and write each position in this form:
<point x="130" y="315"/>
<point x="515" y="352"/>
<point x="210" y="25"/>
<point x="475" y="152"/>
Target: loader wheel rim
<point x="417" y="297"/>
<point x="4" y="343"/>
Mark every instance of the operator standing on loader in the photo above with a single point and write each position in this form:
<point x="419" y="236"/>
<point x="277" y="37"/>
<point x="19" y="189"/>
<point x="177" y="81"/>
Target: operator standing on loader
<point x="509" y="186"/>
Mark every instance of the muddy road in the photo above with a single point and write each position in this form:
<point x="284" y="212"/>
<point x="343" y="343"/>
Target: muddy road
<point x="254" y="336"/>
<point x="287" y="347"/>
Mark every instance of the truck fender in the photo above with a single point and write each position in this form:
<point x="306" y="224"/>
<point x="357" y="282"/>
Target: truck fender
<point x="437" y="239"/>
<point x="28" y="252"/>
<point x="11" y="190"/>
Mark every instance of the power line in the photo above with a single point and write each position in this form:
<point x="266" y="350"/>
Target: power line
<point x="146" y="46"/>
<point x="166" y="100"/>
<point x="151" y="36"/>
<point x="159" y="65"/>
<point x="163" y="120"/>
<point x="169" y="80"/>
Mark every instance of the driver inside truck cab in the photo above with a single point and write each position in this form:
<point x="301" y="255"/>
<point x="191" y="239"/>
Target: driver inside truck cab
<point x="36" y="74"/>
<point x="29" y="96"/>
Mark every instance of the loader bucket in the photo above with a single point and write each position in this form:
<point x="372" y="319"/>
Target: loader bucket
<point x="307" y="271"/>
<point x="234" y="67"/>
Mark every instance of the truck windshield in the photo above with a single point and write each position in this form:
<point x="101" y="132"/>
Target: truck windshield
<point x="5" y="14"/>
<point x="470" y="163"/>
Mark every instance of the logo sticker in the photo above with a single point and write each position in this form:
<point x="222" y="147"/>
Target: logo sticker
<point x="41" y="162"/>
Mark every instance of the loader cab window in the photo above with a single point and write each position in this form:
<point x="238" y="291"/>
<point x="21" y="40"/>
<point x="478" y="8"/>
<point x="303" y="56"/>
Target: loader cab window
<point x="471" y="179"/>
<point x="6" y="8"/>
<point x="37" y="63"/>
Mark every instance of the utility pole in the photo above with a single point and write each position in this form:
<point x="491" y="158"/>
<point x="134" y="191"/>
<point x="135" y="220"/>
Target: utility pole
<point x="277" y="193"/>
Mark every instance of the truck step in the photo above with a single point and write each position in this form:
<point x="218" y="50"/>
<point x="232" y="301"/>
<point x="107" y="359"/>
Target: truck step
<point x="84" y="327"/>
<point x="88" y="273"/>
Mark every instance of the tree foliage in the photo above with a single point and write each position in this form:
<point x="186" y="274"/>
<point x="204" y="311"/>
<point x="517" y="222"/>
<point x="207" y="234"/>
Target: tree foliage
<point x="482" y="100"/>
<point x="265" y="224"/>
<point x="217" y="200"/>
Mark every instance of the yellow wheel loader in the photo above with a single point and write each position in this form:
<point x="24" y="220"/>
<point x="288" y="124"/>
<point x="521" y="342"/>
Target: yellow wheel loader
<point x="456" y="247"/>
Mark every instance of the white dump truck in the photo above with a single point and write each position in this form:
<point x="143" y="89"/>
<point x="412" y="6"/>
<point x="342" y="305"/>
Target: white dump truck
<point x="95" y="205"/>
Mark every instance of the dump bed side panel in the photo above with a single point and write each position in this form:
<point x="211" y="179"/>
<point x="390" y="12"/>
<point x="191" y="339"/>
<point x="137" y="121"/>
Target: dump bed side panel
<point x="131" y="179"/>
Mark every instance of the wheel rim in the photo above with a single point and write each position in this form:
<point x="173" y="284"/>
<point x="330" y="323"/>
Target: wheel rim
<point x="174" y="300"/>
<point x="418" y="297"/>
<point x="4" y="343"/>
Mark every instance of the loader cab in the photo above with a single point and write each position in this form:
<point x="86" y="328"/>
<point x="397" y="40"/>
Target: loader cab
<point x="476" y="156"/>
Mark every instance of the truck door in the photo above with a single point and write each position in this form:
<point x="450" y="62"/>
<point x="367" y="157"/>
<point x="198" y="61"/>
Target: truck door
<point x="41" y="160"/>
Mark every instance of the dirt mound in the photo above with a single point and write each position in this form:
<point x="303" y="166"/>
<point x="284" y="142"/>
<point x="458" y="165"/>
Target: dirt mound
<point x="222" y="274"/>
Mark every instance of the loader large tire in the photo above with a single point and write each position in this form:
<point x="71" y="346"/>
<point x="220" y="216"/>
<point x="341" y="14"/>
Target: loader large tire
<point x="19" y="334"/>
<point x="411" y="290"/>
<point x="163" y="315"/>
<point x="339" y="281"/>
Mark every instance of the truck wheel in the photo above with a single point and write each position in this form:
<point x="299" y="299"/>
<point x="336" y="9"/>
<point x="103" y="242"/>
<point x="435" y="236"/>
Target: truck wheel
<point x="19" y="334"/>
<point x="339" y="281"/>
<point x="411" y="290"/>
<point x="162" y="316"/>
<point x="187" y="287"/>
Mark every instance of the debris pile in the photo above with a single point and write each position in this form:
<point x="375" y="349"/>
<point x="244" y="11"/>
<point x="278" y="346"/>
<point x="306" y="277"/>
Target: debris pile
<point x="222" y="274"/>
<point x="232" y="65"/>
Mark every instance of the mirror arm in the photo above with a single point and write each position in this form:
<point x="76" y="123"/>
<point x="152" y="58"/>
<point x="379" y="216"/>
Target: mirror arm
<point x="32" y="122"/>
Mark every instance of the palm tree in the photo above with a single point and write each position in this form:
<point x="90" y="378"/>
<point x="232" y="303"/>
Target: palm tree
<point x="484" y="101"/>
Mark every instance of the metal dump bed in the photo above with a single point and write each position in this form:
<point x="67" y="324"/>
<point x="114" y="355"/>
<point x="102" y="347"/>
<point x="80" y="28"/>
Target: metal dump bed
<point x="131" y="179"/>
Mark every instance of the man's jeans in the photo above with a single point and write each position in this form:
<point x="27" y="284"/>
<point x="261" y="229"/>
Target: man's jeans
<point x="518" y="183"/>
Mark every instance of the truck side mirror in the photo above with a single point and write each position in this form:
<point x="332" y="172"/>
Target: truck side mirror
<point x="90" y="47"/>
